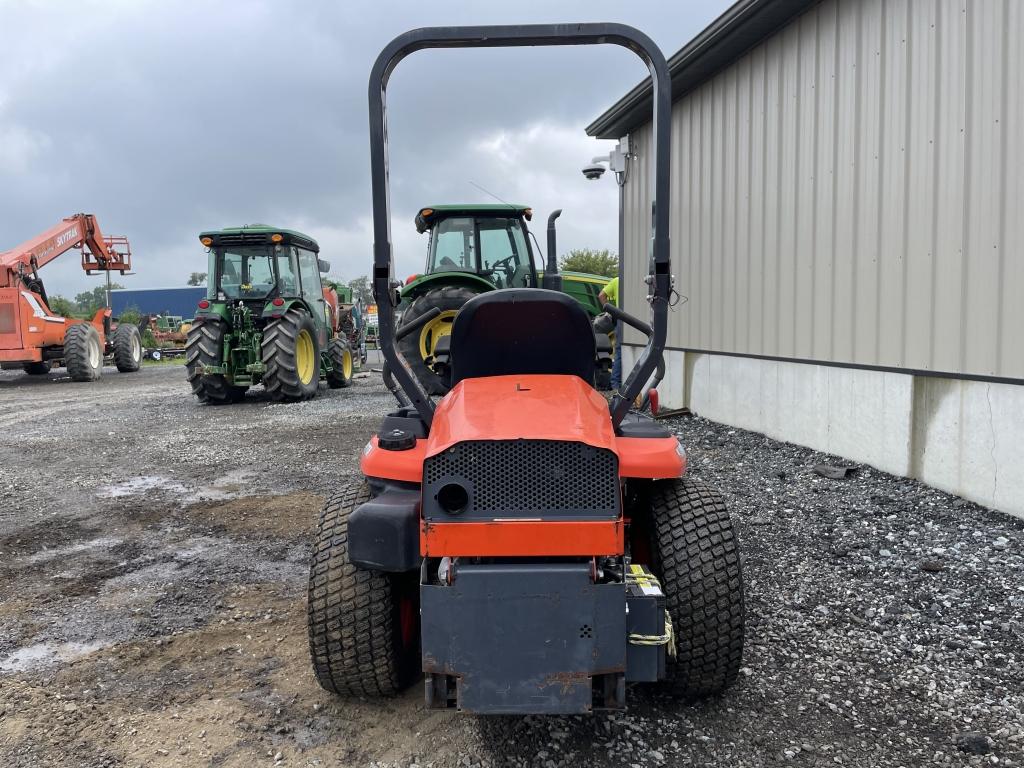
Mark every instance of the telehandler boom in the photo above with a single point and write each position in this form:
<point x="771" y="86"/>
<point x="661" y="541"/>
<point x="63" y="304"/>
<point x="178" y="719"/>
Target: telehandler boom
<point x="32" y="334"/>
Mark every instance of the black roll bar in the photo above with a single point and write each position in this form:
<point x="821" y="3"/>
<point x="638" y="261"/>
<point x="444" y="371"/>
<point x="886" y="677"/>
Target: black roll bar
<point x="512" y="36"/>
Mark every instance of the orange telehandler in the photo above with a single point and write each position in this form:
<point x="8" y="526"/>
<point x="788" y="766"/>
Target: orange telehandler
<point x="32" y="335"/>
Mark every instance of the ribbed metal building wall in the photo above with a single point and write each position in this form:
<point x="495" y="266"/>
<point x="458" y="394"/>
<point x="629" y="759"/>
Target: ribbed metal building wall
<point x="852" y="191"/>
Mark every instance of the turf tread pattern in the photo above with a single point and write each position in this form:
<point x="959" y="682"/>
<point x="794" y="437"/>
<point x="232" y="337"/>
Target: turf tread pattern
<point x="353" y="633"/>
<point x="702" y="579"/>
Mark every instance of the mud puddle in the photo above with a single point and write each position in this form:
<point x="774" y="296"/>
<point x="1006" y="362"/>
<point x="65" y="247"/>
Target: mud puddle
<point x="230" y="485"/>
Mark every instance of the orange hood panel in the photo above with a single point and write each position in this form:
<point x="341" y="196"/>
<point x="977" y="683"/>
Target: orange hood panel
<point x="529" y="406"/>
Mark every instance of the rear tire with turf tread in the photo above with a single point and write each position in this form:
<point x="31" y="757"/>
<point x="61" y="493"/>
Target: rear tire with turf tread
<point x="337" y="351"/>
<point x="698" y="561"/>
<point x="36" y="368"/>
<point x="204" y="346"/>
<point x="357" y="641"/>
<point x="447" y="299"/>
<point x="83" y="352"/>
<point x="127" y="343"/>
<point x="280" y="342"/>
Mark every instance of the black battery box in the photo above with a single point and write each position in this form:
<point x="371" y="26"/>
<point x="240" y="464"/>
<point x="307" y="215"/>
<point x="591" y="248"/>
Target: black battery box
<point x="648" y="639"/>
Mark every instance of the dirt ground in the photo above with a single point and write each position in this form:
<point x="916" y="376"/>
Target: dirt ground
<point x="153" y="558"/>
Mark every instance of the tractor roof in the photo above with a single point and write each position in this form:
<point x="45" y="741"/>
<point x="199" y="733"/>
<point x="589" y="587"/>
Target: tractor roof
<point x="257" y="234"/>
<point x="427" y="217"/>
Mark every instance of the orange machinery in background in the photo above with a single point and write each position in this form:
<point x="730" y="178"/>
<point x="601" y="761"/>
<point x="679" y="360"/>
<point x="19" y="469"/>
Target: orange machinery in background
<point x="30" y="332"/>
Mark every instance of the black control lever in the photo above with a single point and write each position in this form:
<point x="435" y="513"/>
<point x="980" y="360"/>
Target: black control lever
<point x="644" y="328"/>
<point x="416" y="324"/>
<point x="618" y="314"/>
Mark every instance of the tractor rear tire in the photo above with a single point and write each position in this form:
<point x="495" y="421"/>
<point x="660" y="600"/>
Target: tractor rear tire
<point x="363" y="625"/>
<point x="291" y="354"/>
<point x="341" y="364"/>
<point x="37" y="369"/>
<point x="449" y="300"/>
<point x="83" y="352"/>
<point x="127" y="348"/>
<point x="205" y="346"/>
<point x="698" y="560"/>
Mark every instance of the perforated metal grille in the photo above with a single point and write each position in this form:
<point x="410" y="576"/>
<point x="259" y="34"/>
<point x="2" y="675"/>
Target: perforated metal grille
<point x="508" y="478"/>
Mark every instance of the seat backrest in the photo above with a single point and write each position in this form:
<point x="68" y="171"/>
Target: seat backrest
<point x="522" y="330"/>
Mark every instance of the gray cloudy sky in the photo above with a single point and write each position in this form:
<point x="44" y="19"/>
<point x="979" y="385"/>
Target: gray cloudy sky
<point x="168" y="118"/>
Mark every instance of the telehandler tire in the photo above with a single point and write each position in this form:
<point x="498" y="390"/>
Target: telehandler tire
<point x="204" y="346"/>
<point x="127" y="348"/>
<point x="363" y="625"/>
<point x="697" y="558"/>
<point x="417" y="346"/>
<point x="37" y="369"/>
<point x="341" y="364"/>
<point x="83" y="352"/>
<point x="291" y="354"/>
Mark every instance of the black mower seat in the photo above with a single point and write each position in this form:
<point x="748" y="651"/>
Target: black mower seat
<point x="522" y="330"/>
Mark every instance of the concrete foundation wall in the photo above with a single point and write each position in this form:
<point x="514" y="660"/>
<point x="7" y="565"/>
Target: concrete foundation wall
<point x="965" y="437"/>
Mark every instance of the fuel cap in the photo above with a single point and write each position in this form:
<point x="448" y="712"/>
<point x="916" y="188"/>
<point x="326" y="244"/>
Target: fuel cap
<point x="396" y="440"/>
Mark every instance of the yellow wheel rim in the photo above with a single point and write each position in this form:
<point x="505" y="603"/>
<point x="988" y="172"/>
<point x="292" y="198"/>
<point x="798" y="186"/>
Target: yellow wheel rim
<point x="346" y="364"/>
<point x="305" y="360"/>
<point x="434" y="330"/>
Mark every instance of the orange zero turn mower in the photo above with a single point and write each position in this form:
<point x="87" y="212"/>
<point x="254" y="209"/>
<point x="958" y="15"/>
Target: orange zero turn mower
<point x="523" y="543"/>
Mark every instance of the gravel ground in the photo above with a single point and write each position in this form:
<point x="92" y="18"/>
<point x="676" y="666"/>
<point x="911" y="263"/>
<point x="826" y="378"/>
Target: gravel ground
<point x="152" y="579"/>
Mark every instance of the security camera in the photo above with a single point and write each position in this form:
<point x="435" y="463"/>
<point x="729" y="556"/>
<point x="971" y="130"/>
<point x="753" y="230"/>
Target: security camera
<point x="594" y="171"/>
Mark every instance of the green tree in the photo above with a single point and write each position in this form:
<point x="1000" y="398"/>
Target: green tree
<point x="197" y="278"/>
<point x="587" y="260"/>
<point x="131" y="315"/>
<point x="63" y="307"/>
<point x="90" y="301"/>
<point x="361" y="290"/>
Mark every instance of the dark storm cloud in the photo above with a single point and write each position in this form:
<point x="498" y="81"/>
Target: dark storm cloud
<point x="164" y="119"/>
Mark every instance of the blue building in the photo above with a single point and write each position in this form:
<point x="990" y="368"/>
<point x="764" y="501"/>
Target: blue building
<point x="157" y="301"/>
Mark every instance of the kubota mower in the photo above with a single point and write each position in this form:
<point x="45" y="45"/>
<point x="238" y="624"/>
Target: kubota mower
<point x="529" y="546"/>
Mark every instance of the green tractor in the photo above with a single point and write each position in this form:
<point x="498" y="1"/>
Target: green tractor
<point x="352" y="323"/>
<point x="266" y="319"/>
<point x="473" y="249"/>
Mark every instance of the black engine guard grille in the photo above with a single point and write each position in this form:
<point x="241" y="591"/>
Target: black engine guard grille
<point x="524" y="478"/>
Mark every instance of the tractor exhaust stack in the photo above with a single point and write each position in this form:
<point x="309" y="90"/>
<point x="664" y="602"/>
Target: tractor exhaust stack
<point x="552" y="280"/>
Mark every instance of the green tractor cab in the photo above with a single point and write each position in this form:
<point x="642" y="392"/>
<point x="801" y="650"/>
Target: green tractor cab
<point x="267" y="319"/>
<point x="473" y="249"/>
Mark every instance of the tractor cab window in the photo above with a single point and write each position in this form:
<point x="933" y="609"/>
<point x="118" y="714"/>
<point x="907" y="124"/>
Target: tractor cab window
<point x="254" y="272"/>
<point x="504" y="257"/>
<point x="309" y="270"/>
<point x="452" y="245"/>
